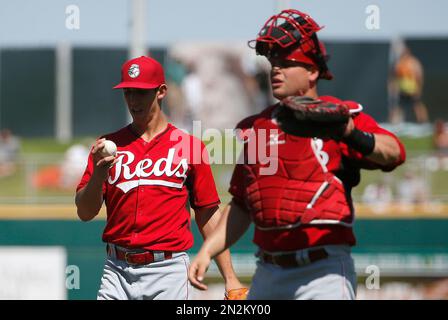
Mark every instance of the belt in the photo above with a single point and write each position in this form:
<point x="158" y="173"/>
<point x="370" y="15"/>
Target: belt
<point x="292" y="260"/>
<point x="139" y="258"/>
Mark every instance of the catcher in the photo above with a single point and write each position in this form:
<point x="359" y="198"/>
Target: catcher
<point x="303" y="213"/>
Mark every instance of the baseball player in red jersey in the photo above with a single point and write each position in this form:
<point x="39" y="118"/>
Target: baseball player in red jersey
<point x="303" y="213"/>
<point x="146" y="187"/>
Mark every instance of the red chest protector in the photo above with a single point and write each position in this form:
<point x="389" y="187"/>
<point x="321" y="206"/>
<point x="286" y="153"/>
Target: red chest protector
<point x="286" y="181"/>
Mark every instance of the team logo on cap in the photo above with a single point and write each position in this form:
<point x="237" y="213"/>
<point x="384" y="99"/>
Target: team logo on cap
<point x="134" y="71"/>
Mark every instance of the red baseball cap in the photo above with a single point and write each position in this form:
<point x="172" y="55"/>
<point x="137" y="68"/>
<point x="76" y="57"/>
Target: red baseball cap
<point x="143" y="73"/>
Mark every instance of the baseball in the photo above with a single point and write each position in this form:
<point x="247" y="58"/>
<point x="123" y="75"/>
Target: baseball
<point x="110" y="149"/>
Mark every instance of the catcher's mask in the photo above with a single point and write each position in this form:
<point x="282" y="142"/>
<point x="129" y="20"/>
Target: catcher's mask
<point x="291" y="35"/>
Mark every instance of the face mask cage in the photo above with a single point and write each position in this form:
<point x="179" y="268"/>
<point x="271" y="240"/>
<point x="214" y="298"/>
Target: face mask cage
<point x="282" y="31"/>
<point x="287" y="31"/>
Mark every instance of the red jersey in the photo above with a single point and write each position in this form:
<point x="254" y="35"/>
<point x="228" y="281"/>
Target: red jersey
<point x="280" y="193"/>
<point x="147" y="190"/>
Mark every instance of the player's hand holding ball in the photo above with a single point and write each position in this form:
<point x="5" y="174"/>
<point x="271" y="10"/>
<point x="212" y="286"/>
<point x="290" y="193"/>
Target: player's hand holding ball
<point x="109" y="149"/>
<point x="104" y="154"/>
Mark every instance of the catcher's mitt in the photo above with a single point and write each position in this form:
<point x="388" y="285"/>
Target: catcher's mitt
<point x="305" y="117"/>
<point x="236" y="294"/>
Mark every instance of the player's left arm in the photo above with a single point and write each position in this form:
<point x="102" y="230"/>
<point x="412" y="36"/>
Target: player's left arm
<point x="207" y="220"/>
<point x="373" y="144"/>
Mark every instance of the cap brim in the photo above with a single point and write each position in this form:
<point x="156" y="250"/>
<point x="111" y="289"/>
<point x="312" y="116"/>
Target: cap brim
<point x="138" y="85"/>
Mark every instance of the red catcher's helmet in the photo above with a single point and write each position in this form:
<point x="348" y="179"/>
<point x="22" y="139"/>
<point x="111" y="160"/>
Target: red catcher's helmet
<point x="291" y="35"/>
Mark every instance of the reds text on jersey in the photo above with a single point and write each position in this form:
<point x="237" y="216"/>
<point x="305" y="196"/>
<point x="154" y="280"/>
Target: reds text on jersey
<point x="147" y="190"/>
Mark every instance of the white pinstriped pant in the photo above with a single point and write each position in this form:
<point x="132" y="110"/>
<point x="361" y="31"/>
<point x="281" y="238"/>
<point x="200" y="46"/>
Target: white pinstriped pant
<point x="332" y="278"/>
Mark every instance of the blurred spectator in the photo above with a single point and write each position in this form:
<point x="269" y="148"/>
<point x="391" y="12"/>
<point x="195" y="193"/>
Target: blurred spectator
<point x="177" y="109"/>
<point x="65" y="175"/>
<point x="440" y="137"/>
<point x="73" y="165"/>
<point x="222" y="91"/>
<point x="9" y="152"/>
<point x="215" y="88"/>
<point x="412" y="189"/>
<point x="192" y="89"/>
<point x="378" y="196"/>
<point x="256" y="77"/>
<point x="406" y="86"/>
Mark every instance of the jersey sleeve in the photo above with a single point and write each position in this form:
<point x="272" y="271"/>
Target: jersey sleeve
<point x="237" y="187"/>
<point x="200" y="182"/>
<point x="87" y="174"/>
<point x="366" y="123"/>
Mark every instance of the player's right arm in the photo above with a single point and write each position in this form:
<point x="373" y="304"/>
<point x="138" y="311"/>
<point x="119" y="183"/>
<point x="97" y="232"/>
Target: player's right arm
<point x="89" y="198"/>
<point x="232" y="225"/>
